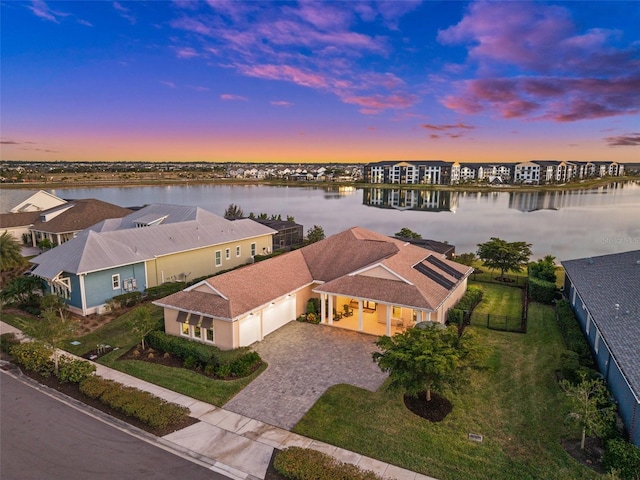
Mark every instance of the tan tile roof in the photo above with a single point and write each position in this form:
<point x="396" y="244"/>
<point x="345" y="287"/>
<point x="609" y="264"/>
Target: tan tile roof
<point x="255" y="285"/>
<point x="339" y="265"/>
<point x="83" y="214"/>
<point x="197" y="302"/>
<point x="23" y="219"/>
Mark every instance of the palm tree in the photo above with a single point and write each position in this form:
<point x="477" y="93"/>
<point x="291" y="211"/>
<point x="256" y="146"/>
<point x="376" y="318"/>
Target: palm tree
<point x="233" y="211"/>
<point x="10" y="256"/>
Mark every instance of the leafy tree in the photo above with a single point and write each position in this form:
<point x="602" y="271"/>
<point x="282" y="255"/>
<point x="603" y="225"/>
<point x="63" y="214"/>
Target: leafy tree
<point x="407" y="233"/>
<point x="142" y="322"/>
<point x="315" y="234"/>
<point x="430" y="358"/>
<point x="22" y="290"/>
<point x="263" y="216"/>
<point x="503" y="255"/>
<point x="252" y="215"/>
<point x="52" y="329"/>
<point x="233" y="211"/>
<point x="590" y="406"/>
<point x="466" y="258"/>
<point x="10" y="252"/>
<point x="544" y="269"/>
<point x="45" y="244"/>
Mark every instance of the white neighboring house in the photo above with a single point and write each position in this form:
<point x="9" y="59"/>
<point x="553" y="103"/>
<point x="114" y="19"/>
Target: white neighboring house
<point x="527" y="172"/>
<point x="20" y="201"/>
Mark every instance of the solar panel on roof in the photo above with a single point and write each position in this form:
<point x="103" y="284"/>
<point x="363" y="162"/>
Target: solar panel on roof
<point x="435" y="276"/>
<point x="444" y="267"/>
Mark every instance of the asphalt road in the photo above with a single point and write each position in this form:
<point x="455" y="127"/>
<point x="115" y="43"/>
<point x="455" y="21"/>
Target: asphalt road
<point x="43" y="438"/>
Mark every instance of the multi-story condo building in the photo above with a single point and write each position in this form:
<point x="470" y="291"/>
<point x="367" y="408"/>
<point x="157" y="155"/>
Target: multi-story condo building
<point x="438" y="172"/>
<point x="412" y="172"/>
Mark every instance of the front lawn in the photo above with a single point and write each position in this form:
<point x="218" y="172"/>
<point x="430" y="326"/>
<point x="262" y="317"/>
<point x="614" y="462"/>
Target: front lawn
<point x="515" y="403"/>
<point x="117" y="333"/>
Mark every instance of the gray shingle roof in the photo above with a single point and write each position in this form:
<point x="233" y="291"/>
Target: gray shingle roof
<point x="604" y="282"/>
<point x="106" y="247"/>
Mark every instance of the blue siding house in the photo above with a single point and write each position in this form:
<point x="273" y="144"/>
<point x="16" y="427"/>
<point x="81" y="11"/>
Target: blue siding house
<point x="604" y="293"/>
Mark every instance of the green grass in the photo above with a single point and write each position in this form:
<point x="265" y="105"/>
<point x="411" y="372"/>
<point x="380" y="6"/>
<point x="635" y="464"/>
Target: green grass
<point x="186" y="382"/>
<point x="515" y="403"/>
<point x="18" y="321"/>
<point x="117" y="333"/>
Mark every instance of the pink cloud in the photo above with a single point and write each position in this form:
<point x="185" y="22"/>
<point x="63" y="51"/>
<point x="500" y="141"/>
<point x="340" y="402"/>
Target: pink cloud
<point x="628" y="140"/>
<point x="232" y="97"/>
<point x="375" y="103"/>
<point x="553" y="98"/>
<point x="429" y="126"/>
<point x="285" y="72"/>
<point x="186" y="52"/>
<point x="168" y="84"/>
<point x="281" y="103"/>
<point x="124" y="12"/>
<point x="42" y="10"/>
<point x="589" y="79"/>
<point x="192" y="25"/>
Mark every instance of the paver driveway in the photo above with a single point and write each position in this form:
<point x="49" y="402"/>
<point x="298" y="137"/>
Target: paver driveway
<point x="304" y="360"/>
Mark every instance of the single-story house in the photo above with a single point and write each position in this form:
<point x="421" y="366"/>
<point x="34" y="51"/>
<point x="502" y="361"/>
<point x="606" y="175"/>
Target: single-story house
<point x="604" y="292"/>
<point x="385" y="284"/>
<point x="20" y="201"/>
<point x="151" y="246"/>
<point x="62" y="223"/>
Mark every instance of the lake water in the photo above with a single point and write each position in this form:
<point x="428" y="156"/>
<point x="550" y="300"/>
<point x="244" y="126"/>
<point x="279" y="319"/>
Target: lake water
<point x="566" y="224"/>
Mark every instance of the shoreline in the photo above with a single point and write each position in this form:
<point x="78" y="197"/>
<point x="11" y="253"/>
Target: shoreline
<point x="131" y="182"/>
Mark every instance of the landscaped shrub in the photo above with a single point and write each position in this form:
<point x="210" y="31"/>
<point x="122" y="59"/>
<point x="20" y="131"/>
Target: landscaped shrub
<point x="245" y="365"/>
<point x="233" y="363"/>
<point x="468" y="302"/>
<point x="128" y="299"/>
<point x="8" y="340"/>
<point x="541" y="290"/>
<point x="305" y="464"/>
<point x="572" y="333"/>
<point x="313" y="306"/>
<point x="159" y="291"/>
<point x="34" y="357"/>
<point x="74" y="370"/>
<point x="623" y="457"/>
<point x="152" y="410"/>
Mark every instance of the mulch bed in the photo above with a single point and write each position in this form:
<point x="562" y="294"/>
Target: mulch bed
<point x="591" y="456"/>
<point x="434" y="410"/>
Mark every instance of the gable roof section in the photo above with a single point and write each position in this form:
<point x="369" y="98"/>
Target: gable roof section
<point x="604" y="282"/>
<point x="103" y="248"/>
<point x="78" y="215"/>
<point x="246" y="288"/>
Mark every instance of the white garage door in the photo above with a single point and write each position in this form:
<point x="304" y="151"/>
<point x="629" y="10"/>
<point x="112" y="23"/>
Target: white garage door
<point x="249" y="330"/>
<point x="275" y="316"/>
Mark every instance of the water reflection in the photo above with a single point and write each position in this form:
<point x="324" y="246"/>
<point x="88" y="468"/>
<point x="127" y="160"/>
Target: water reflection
<point x="411" y="199"/>
<point x="557" y="199"/>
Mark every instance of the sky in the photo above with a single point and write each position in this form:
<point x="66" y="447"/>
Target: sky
<point x="298" y="82"/>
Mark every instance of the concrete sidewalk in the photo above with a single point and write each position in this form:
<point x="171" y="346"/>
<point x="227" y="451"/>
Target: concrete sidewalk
<point x="235" y="445"/>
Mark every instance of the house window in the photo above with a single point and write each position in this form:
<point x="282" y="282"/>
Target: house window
<point x="396" y="311"/>
<point x="218" y="258"/>
<point x="197" y="332"/>
<point x="185" y="329"/>
<point x="588" y="323"/>
<point x="596" y="346"/>
<point x="115" y="281"/>
<point x="238" y="251"/>
<point x="208" y="332"/>
<point x="227" y="253"/>
<point x="253" y="249"/>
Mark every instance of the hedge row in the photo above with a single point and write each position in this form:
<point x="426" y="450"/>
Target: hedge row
<point x="128" y="299"/>
<point x="541" y="290"/>
<point x="152" y="410"/>
<point x="237" y="363"/>
<point x="578" y="357"/>
<point x="298" y="463"/>
<point x="36" y="357"/>
<point x="471" y="298"/>
<point x="160" y="291"/>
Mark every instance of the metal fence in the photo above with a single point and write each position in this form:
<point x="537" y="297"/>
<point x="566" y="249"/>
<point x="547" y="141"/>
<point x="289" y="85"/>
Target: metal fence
<point x="493" y="277"/>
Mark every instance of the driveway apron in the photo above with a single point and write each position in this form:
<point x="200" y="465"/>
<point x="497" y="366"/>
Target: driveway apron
<point x="304" y="360"/>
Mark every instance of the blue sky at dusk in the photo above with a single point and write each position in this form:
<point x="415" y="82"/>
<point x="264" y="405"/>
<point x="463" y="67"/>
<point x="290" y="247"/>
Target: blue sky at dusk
<point x="320" y="81"/>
